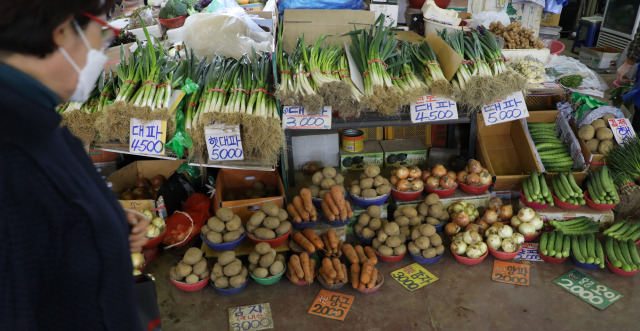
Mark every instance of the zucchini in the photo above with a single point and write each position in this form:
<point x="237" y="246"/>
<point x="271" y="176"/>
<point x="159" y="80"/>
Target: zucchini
<point x="583" y="246"/>
<point x="543" y="186"/>
<point x="611" y="253"/>
<point x="633" y="251"/>
<point x="600" y="254"/>
<point x="619" y="257"/>
<point x="547" y="146"/>
<point x="591" y="248"/>
<point x="593" y="197"/>
<point x="624" y="249"/>
<point x="566" y="246"/>
<point x="627" y="235"/>
<point x="575" y="249"/>
<point x="605" y="178"/>
<point x="535" y="182"/>
<point x="566" y="186"/>
<point x="621" y="230"/>
<point x="614" y="227"/>
<point x="551" y="244"/>
<point x="572" y="182"/>
<point x="558" y="244"/>
<point x="543" y="243"/>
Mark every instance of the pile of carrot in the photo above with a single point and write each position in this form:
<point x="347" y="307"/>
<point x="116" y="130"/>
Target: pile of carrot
<point x="363" y="273"/>
<point x="333" y="272"/>
<point x="334" y="206"/>
<point x="332" y="245"/>
<point x="301" y="268"/>
<point x="309" y="240"/>
<point x="302" y="209"/>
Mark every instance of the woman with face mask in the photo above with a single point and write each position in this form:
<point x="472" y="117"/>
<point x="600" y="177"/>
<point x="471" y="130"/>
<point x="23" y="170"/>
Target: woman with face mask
<point x="65" y="255"/>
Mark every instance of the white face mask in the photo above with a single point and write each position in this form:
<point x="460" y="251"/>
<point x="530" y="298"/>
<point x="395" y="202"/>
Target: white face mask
<point x="91" y="71"/>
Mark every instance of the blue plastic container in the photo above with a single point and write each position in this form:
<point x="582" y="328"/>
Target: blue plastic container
<point x="379" y="201"/>
<point x="363" y="240"/>
<point x="334" y="223"/>
<point x="224" y="246"/>
<point x="440" y="227"/>
<point x="586" y="266"/>
<point x="304" y="225"/>
<point x="317" y="202"/>
<point x="422" y="260"/>
<point x="230" y="291"/>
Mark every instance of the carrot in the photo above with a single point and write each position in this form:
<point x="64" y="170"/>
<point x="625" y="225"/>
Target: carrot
<point x="305" y="194"/>
<point x="313" y="217"/>
<point x="332" y="204"/>
<point x="313" y="238"/>
<point x="339" y="249"/>
<point x="355" y="275"/>
<point x="312" y="269"/>
<point x="365" y="275"/>
<point x="328" y="268"/>
<point x="294" y="213"/>
<point x="338" y="198"/>
<point x="362" y="286"/>
<point x="361" y="256"/>
<point x="333" y="239"/>
<point x="295" y="265"/>
<point x="337" y="267"/>
<point x="350" y="253"/>
<point x="374" y="278"/>
<point x="349" y="211"/>
<point x="327" y="211"/>
<point x="371" y="255"/>
<point x="292" y="274"/>
<point x="304" y="242"/>
<point x="325" y="240"/>
<point x="297" y="202"/>
<point x="304" y="260"/>
<point x="327" y="278"/>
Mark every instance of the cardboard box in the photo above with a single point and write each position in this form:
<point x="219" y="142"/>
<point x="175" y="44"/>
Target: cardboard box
<point x="316" y="22"/>
<point x="390" y="13"/>
<point x="371" y="153"/>
<point x="113" y="56"/>
<point x="504" y="149"/>
<point x="550" y="19"/>
<point x="447" y="57"/>
<point x="404" y="152"/>
<point x="600" y="57"/>
<point x="238" y="182"/>
<point x="592" y="162"/>
<point x="253" y="7"/>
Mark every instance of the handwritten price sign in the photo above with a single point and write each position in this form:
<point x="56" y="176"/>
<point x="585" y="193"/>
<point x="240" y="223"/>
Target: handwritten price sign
<point x="510" y="109"/>
<point x="223" y="142"/>
<point x="588" y="289"/>
<point x="147" y="137"/>
<point x="431" y="108"/>
<point x="331" y="305"/>
<point x="529" y="252"/>
<point x="413" y="277"/>
<point x="622" y="129"/>
<point x="510" y="273"/>
<point x="297" y="118"/>
<point x="250" y="318"/>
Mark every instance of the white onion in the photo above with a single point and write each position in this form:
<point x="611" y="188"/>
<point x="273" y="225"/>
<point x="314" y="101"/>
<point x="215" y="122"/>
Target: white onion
<point x="471" y="237"/>
<point x="494" y="241"/>
<point x="537" y="223"/>
<point x="491" y="230"/>
<point x="517" y="238"/>
<point x="474" y="251"/>
<point x="508" y="246"/>
<point x="483" y="247"/>
<point x="515" y="221"/>
<point x="526" y="214"/>
<point x="526" y="229"/>
<point x="458" y="247"/>
<point x="505" y="232"/>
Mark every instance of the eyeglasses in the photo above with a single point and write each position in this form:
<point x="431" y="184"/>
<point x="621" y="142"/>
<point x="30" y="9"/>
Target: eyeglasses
<point x="108" y="32"/>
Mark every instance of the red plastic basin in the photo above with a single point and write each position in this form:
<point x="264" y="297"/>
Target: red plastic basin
<point x="563" y="205"/>
<point x="502" y="255"/>
<point x="470" y="261"/>
<point x="389" y="259"/>
<point x="173" y="23"/>
<point x="191" y="287"/>
<point x="619" y="271"/>
<point x="272" y="242"/>
<point x="373" y="289"/>
<point x="532" y="204"/>
<point x="556" y="47"/>
<point x="442" y="193"/>
<point x="405" y="196"/>
<point x="472" y="189"/>
<point x="154" y="242"/>
<point x="531" y="238"/>
<point x="550" y="259"/>
<point x="597" y="206"/>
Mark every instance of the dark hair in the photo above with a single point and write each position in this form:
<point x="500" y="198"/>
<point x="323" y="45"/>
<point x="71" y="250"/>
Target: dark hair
<point x="26" y="26"/>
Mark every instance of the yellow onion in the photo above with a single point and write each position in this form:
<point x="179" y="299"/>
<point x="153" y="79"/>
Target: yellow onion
<point x="452" y="174"/>
<point x="415" y="172"/>
<point x="138" y="260"/>
<point x="393" y="180"/>
<point x="495" y="203"/>
<point x="461" y="218"/>
<point x="425" y="174"/>
<point x="447" y="182"/>
<point x="451" y="229"/>
<point x="402" y="173"/>
<point x="432" y="182"/>
<point x="506" y="212"/>
<point x="474" y="166"/>
<point x="482" y="225"/>
<point x="417" y="184"/>
<point x="403" y="185"/>
<point x="473" y="180"/>
<point x="485" y="178"/>
<point x="515" y="221"/>
<point x="472" y="226"/>
<point x="490" y="216"/>
<point x="439" y="171"/>
<point x="462" y="176"/>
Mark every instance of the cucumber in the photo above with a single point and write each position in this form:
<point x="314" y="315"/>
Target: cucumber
<point x="543" y="243"/>
<point x="593" y="197"/>
<point x="611" y="253"/>
<point x="621" y="230"/>
<point x="558" y="244"/>
<point x="571" y="201"/>
<point x="627" y="235"/>
<point x="557" y="164"/>
<point x="605" y="178"/>
<point x="527" y="190"/>
<point x="566" y="186"/>
<point x="582" y="201"/>
<point x="620" y="258"/>
<point x="614" y="227"/>
<point x="547" y="146"/>
<point x="557" y="169"/>
<point x="575" y="249"/>
<point x="579" y="232"/>
<point x="600" y="254"/>
<point x="591" y="249"/>
<point x="555" y="158"/>
<point x="566" y="246"/>
<point x="597" y="185"/>
<point x="583" y="246"/>
<point x="541" y="125"/>
<point x="543" y="186"/>
<point x="615" y="196"/>
<point x="633" y="251"/>
<point x="636" y="235"/>
<point x="553" y="151"/>
<point x="572" y="182"/>
<point x="535" y="182"/>
<point x="624" y="249"/>
<point x="573" y="221"/>
<point x="560" y="194"/>
<point x="551" y="244"/>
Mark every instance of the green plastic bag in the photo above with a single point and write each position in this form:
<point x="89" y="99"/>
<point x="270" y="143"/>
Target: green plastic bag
<point x="181" y="138"/>
<point x="584" y="103"/>
<point x="194" y="172"/>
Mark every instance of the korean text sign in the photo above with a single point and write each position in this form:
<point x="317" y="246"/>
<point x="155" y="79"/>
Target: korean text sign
<point x="622" y="129"/>
<point x="511" y="108"/>
<point x="250" y="318"/>
<point x="587" y="289"/>
<point x="413" y="277"/>
<point x="529" y="252"/>
<point x="331" y="305"/>
<point x="223" y="142"/>
<point x="299" y="118"/>
<point x="510" y="273"/>
<point x="430" y="108"/>
<point x="147" y="137"/>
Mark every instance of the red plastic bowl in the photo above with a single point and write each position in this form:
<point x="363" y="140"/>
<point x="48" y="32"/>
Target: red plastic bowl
<point x="405" y="196"/>
<point x="191" y="287"/>
<point x="272" y="242"/>
<point x="154" y="242"/>
<point x="300" y="282"/>
<point x="502" y="255"/>
<point x="373" y="289"/>
<point x="619" y="271"/>
<point x="472" y="189"/>
<point x="532" y="204"/>
<point x="173" y="23"/>
<point x="470" y="261"/>
<point x="598" y="206"/>
<point x="442" y="193"/>
<point x="389" y="259"/>
<point x="550" y="259"/>
<point x="563" y="205"/>
<point x="531" y="238"/>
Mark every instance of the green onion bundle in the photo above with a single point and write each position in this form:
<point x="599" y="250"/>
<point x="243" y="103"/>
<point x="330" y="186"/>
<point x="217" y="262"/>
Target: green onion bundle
<point x="625" y="158"/>
<point x="456" y="41"/>
<point x="425" y="62"/>
<point x="261" y="69"/>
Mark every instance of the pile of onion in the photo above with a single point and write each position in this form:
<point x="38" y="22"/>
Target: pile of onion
<point x="474" y="174"/>
<point x="407" y="179"/>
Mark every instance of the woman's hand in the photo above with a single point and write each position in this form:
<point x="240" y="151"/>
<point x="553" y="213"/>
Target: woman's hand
<point x="622" y="72"/>
<point x="137" y="237"/>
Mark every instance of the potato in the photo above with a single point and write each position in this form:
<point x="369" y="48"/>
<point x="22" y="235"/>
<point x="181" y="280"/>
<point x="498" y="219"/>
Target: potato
<point x="377" y="181"/>
<point x="217" y="270"/>
<point x="232" y="236"/>
<point x="439" y="249"/>
<point x="355" y="190"/>
<point x="271" y="222"/>
<point x="183" y="269"/>
<point x="598" y="124"/>
<point x="355" y="182"/>
<point x="363" y="176"/>
<point x="261" y="272"/>
<point x="265" y="234"/>
<point x="234" y="224"/>
<point x="314" y="190"/>
<point x="392" y="229"/>
<point x="405" y="231"/>
<point x="435" y="211"/>
<point x="409" y="212"/>
<point x="605" y="146"/>
<point x="317" y="178"/>
<point x="260" y="193"/>
<point x="280" y="257"/>
<point x="375" y="224"/>
<point x="413" y="221"/>
<point x="383" y="189"/>
<point x="384" y="222"/>
<point x="221" y="282"/>
<point x="607" y="117"/>
<point x="251" y="228"/>
<point x="604" y="134"/>
<point x="205" y="229"/>
<point x="398" y="212"/>
<point x="244" y="272"/>
<point x="382" y="236"/>
<point x="432" y="199"/>
<point x="258" y="185"/>
<point x="364" y="219"/>
<point x="270" y="209"/>
<point x="192" y="256"/>
<point x="249" y="193"/>
<point x="423" y="209"/>
<point x="200" y="267"/>
<point x="433" y="221"/>
<point x="327" y="183"/>
<point x="263" y="248"/>
<point x="254" y="257"/>
<point x="257" y="218"/>
<point x="440" y="204"/>
<point x="403" y="238"/>
<point x="366" y="183"/>
<point x="368" y="233"/>
<point x="369" y="193"/>
<point x="400" y="250"/>
<point x="592" y="145"/>
<point x="276" y="268"/>
<point x="215" y="224"/>
<point x="374" y="211"/>
<point x="329" y="172"/>
<point x="322" y="194"/>
<point x="358" y="228"/>
<point x="237" y="281"/>
<point x="224" y="214"/>
<point x="385" y="250"/>
<point x="205" y="274"/>
<point x="226" y="258"/>
<point x="435" y="240"/>
<point x="586" y="132"/>
<point x="393" y="241"/>
<point x="386" y="182"/>
<point x="375" y="243"/>
<point x="283" y="228"/>
<point x="272" y="252"/>
<point x="339" y="179"/>
<point x="423" y="242"/>
<point x="174" y="273"/>
<point x="229" y="197"/>
<point x="214" y="237"/>
<point x="415" y="234"/>
<point x="266" y="260"/>
<point x="252" y="267"/>
<point x="445" y="216"/>
<point x="402" y="221"/>
<point x="427" y="230"/>
<point x="414" y="249"/>
<point x="282" y="215"/>
<point x="192" y="279"/>
<point x="429" y="253"/>
<point x="232" y="268"/>
<point x="372" y="170"/>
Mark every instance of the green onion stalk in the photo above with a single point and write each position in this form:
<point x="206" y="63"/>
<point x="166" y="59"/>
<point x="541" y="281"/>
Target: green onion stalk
<point x="303" y="85"/>
<point x="625" y="158"/>
<point x="320" y="61"/>
<point x="285" y="86"/>
<point x="624" y="182"/>
<point x="345" y="75"/>
<point x="425" y="62"/>
<point x="128" y="74"/>
<point x="492" y="52"/>
<point x="213" y="90"/>
<point x="196" y="73"/>
<point x="473" y="52"/>
<point x="242" y="83"/>
<point x="106" y="86"/>
<point x="261" y="66"/>
<point x="151" y="66"/>
<point x="456" y="41"/>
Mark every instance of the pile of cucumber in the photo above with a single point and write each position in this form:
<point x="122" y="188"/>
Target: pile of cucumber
<point x="535" y="189"/>
<point x="555" y="244"/>
<point x="554" y="154"/>
<point x="624" y="231"/>
<point x="623" y="254"/>
<point x="601" y="188"/>
<point x="586" y="249"/>
<point x="567" y="190"/>
<point x="577" y="226"/>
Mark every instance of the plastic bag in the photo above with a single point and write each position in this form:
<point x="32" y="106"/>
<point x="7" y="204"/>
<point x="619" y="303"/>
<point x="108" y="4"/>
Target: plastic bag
<point x="555" y="6"/>
<point x="583" y="104"/>
<point x="221" y="6"/>
<point x="432" y="12"/>
<point x="485" y="18"/>
<point x="182" y="226"/>
<point x="181" y="138"/>
<point x="194" y="172"/>
<point x="175" y="191"/>
<point x="592" y="84"/>
<point x="319" y="4"/>
<point x="223" y="34"/>
<point x="597" y="113"/>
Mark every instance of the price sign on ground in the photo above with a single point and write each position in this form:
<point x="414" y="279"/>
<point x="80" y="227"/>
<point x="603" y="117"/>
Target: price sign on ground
<point x="223" y="142"/>
<point x="587" y="289"/>
<point x="529" y="252"/>
<point x="413" y="277"/>
<point x="299" y="118"/>
<point x="622" y="129"/>
<point x="331" y="305"/>
<point x="147" y="137"/>
<point x="510" y="273"/>
<point x="510" y="109"/>
<point x="249" y="318"/>
<point x="431" y="108"/>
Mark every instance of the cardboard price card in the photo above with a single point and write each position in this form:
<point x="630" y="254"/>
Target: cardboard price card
<point x="432" y="108"/>
<point x="254" y="317"/>
<point x="331" y="305"/>
<point x="223" y="142"/>
<point x="413" y="277"/>
<point x="510" y="273"/>
<point x="510" y="109"/>
<point x="147" y="137"/>
<point x="622" y="129"/>
<point x="587" y="289"/>
<point x="297" y="118"/>
<point x="529" y="252"/>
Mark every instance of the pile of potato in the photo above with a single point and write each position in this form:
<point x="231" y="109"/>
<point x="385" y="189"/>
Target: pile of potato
<point x="369" y="222"/>
<point x="258" y="190"/>
<point x="433" y="210"/>
<point x="371" y="184"/>
<point x="515" y="36"/>
<point x="228" y="272"/>
<point x="324" y="180"/>
<point x="425" y="241"/>
<point x="269" y="222"/>
<point x="597" y="135"/>
<point x="264" y="262"/>
<point x="192" y="269"/>
<point x="225" y="227"/>
<point x="389" y="241"/>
